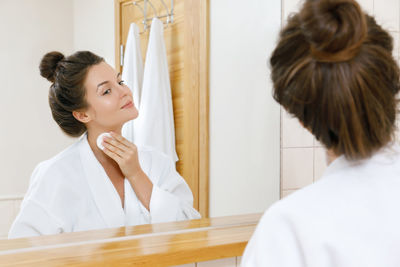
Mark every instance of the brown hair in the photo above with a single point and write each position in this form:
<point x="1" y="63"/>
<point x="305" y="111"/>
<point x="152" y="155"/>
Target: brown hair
<point x="67" y="92"/>
<point x="333" y="69"/>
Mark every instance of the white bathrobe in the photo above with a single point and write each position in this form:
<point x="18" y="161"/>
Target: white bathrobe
<point x="132" y="74"/>
<point x="349" y="218"/>
<point x="72" y="192"/>
<point x="155" y="125"/>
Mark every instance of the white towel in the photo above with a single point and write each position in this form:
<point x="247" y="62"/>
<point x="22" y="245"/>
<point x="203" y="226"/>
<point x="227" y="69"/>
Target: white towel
<point x="132" y="74"/>
<point x="155" y="125"/>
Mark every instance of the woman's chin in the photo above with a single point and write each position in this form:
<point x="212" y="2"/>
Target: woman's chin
<point x="133" y="115"/>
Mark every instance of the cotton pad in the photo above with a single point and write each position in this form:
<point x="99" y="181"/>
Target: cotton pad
<point x="100" y="139"/>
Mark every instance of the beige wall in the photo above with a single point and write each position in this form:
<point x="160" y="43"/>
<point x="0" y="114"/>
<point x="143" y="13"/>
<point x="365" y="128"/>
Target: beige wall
<point x="244" y="119"/>
<point x="93" y="30"/>
<point x="302" y="157"/>
<point x="28" y="134"/>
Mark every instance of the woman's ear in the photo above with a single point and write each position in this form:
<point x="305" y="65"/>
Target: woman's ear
<point x="81" y="116"/>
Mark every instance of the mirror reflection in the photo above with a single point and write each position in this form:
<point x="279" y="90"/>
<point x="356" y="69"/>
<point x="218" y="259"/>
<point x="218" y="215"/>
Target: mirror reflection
<point x="177" y="156"/>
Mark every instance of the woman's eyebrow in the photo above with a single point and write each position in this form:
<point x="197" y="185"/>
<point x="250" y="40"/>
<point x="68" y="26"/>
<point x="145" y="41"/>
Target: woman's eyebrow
<point x="100" y="84"/>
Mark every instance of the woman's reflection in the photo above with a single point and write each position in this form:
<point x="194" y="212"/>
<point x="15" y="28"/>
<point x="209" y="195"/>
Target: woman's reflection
<point x="85" y="187"/>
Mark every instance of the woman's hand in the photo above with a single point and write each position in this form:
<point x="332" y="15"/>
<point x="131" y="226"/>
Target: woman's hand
<point x="124" y="153"/>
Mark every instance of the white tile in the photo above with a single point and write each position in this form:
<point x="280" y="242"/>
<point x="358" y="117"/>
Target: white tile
<point x="320" y="162"/>
<point x="7" y="216"/>
<point x="396" y="37"/>
<point x="397" y="132"/>
<point x="186" y="265"/>
<point x="293" y="133"/>
<point x="387" y="14"/>
<point x="228" y="262"/>
<point x="285" y="193"/>
<point x="290" y="6"/>
<point x="317" y="143"/>
<point x="297" y="167"/>
<point x="238" y="261"/>
<point x="367" y="6"/>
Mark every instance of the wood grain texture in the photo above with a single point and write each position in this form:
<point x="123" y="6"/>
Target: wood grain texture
<point x="186" y="42"/>
<point x="204" y="107"/>
<point x="190" y="169"/>
<point x="127" y="231"/>
<point x="147" y="245"/>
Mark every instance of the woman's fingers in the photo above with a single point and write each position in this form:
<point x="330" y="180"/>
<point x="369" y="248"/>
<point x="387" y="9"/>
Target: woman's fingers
<point x="124" y="153"/>
<point x="114" y="146"/>
<point x="121" y="139"/>
<point x="112" y="155"/>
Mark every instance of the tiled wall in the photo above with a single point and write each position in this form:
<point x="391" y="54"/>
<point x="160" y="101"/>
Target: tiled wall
<point x="228" y="262"/>
<point x="302" y="157"/>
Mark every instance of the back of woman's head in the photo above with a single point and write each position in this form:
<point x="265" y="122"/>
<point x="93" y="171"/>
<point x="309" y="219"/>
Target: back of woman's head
<point x="333" y="69"/>
<point x="67" y="92"/>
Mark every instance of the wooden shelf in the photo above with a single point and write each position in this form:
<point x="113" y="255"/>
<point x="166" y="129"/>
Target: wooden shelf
<point x="162" y="244"/>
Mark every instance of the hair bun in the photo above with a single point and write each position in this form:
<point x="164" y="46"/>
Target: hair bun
<point x="49" y="63"/>
<point x="335" y="28"/>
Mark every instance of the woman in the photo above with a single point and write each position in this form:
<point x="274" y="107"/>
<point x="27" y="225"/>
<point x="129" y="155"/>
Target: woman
<point x="84" y="187"/>
<point x="334" y="71"/>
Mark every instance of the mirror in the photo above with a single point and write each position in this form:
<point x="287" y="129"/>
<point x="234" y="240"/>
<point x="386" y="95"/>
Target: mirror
<point x="244" y="121"/>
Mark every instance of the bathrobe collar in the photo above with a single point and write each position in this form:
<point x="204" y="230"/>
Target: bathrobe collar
<point x="104" y="193"/>
<point x="385" y="155"/>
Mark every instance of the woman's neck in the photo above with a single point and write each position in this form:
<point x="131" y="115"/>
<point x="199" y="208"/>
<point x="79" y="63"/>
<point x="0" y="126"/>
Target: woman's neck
<point x="330" y="156"/>
<point x="92" y="135"/>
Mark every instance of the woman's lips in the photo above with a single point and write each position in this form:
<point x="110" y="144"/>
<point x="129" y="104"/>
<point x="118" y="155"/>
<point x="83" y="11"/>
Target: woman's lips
<point x="128" y="105"/>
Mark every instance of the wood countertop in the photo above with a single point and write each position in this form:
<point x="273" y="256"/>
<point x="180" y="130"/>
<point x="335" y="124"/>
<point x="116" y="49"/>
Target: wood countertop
<point x="161" y="244"/>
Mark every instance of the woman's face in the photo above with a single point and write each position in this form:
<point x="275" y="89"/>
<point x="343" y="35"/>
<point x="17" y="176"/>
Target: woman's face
<point x="110" y="101"/>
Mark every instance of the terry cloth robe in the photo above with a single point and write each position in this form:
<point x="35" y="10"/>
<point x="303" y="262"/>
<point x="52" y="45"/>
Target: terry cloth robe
<point x="71" y="192"/>
<point x="349" y="217"/>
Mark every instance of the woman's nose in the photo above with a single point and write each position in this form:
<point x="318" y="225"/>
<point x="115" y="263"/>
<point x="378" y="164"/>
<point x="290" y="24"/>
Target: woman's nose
<point x="124" y="90"/>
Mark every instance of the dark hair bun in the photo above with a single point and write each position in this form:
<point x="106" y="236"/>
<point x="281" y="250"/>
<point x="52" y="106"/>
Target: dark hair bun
<point x="335" y="29"/>
<point x="48" y="65"/>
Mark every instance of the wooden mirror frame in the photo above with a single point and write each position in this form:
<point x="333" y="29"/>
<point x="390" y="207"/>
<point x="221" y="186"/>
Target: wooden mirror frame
<point x="191" y="110"/>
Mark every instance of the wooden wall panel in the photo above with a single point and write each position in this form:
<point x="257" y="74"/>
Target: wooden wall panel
<point x="186" y="41"/>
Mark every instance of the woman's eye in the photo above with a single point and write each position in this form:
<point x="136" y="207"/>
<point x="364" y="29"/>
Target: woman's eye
<point x="107" y="91"/>
<point x="121" y="82"/>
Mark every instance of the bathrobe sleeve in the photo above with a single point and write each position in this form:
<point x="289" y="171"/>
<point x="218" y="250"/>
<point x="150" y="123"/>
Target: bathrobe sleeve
<point x="171" y="197"/>
<point x="274" y="243"/>
<point x="34" y="220"/>
<point x="46" y="208"/>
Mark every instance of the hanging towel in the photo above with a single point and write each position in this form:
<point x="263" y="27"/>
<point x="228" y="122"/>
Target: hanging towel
<point x="155" y="125"/>
<point x="132" y="74"/>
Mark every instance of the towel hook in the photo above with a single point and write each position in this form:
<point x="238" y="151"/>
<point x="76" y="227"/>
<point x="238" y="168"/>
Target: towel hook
<point x="152" y="7"/>
<point x="166" y="7"/>
<point x="144" y="21"/>
<point x="169" y="15"/>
